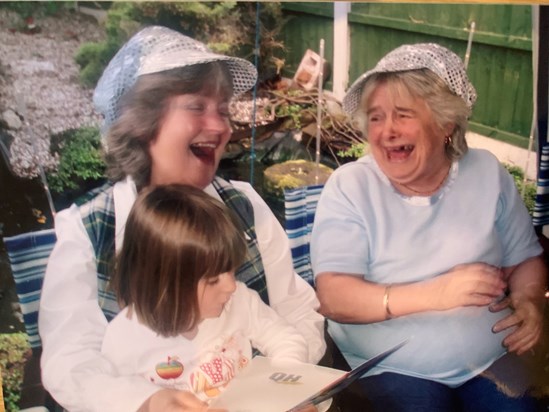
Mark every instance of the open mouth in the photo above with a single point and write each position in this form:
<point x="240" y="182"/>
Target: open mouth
<point x="204" y="151"/>
<point x="399" y="152"/>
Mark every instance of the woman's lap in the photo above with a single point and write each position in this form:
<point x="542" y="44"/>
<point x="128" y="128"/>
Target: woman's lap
<point x="400" y="393"/>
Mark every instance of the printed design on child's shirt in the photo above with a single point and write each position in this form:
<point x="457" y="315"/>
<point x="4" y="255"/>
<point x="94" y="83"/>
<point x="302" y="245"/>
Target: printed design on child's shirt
<point x="171" y="369"/>
<point x="221" y="365"/>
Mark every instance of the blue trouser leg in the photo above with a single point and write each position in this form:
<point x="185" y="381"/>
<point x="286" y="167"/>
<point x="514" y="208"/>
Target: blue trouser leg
<point x="391" y="392"/>
<point x="481" y="395"/>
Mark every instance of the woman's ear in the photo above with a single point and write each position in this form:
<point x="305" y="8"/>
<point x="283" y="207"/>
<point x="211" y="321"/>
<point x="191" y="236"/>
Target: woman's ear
<point x="449" y="129"/>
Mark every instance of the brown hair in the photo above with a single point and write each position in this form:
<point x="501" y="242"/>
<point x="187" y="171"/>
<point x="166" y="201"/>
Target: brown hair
<point x="143" y="108"/>
<point x="175" y="235"/>
<point x="446" y="107"/>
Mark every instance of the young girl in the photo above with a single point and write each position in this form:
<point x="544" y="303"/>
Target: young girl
<point x="186" y="323"/>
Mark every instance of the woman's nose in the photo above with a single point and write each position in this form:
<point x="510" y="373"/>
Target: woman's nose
<point x="217" y="122"/>
<point x="389" y="127"/>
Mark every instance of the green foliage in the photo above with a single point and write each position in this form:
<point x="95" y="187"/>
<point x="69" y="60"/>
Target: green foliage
<point x="92" y="59"/>
<point x="14" y="352"/>
<point x="227" y="27"/>
<point x="528" y="187"/>
<point x="80" y="159"/>
<point x="356" y="150"/>
<point x="27" y="9"/>
<point x="293" y="112"/>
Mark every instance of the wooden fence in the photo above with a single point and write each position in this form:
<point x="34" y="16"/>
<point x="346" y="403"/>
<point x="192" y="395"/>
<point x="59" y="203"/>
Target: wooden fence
<point x="500" y="64"/>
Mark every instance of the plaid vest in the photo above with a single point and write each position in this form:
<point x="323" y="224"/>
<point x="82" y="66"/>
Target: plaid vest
<point x="97" y="211"/>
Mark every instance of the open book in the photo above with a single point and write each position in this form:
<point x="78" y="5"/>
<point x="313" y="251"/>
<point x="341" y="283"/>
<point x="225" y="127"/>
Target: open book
<point x="269" y="386"/>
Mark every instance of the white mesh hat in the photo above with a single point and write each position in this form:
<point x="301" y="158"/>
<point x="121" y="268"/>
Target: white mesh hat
<point x="155" y="49"/>
<point x="441" y="61"/>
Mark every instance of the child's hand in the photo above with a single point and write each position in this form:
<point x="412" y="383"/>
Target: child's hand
<point x="167" y="400"/>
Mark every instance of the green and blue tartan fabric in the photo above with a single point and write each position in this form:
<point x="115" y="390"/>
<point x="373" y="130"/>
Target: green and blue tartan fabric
<point x="97" y="211"/>
<point x="251" y="272"/>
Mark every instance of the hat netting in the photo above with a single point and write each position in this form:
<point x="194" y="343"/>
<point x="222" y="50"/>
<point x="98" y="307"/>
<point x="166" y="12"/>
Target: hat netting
<point x="441" y="61"/>
<point x="156" y="49"/>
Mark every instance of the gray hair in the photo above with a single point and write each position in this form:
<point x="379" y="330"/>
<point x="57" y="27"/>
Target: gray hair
<point x="446" y="106"/>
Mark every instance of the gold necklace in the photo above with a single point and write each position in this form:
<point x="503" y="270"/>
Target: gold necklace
<point x="427" y="192"/>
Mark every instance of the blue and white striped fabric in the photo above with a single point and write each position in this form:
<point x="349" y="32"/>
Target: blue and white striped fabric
<point x="299" y="212"/>
<point x="541" y="209"/>
<point x="28" y="254"/>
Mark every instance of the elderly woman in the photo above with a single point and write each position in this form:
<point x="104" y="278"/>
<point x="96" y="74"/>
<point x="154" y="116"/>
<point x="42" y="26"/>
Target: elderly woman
<point x="165" y="100"/>
<point x="426" y="240"/>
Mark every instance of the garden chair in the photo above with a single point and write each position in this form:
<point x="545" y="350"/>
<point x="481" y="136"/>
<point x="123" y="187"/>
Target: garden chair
<point x="28" y="254"/>
<point x="299" y="213"/>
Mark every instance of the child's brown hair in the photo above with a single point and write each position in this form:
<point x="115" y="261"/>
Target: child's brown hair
<point x="175" y="235"/>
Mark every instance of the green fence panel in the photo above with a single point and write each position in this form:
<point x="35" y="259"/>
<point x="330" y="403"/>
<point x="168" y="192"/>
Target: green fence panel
<point x="500" y="64"/>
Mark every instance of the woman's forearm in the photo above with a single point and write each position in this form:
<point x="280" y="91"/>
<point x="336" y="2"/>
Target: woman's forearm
<point x="348" y="298"/>
<point x="528" y="280"/>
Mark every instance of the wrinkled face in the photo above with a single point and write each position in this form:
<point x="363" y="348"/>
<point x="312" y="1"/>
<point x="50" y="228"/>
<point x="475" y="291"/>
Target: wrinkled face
<point x="404" y="139"/>
<point x="191" y="140"/>
<point x="214" y="293"/>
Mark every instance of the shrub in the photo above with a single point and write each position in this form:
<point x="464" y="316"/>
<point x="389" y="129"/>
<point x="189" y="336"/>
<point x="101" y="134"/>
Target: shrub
<point x="28" y="9"/>
<point x="528" y="187"/>
<point x="80" y="159"/>
<point x="14" y="352"/>
<point x="356" y="151"/>
<point x="227" y="27"/>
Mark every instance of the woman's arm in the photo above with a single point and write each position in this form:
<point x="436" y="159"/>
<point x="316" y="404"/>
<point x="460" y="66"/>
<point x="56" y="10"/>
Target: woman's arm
<point x="72" y="326"/>
<point x="527" y="285"/>
<point x="348" y="298"/>
<point x="289" y="295"/>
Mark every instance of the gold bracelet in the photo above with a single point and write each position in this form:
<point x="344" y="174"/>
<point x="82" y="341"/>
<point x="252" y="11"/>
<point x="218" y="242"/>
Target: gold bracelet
<point x="388" y="313"/>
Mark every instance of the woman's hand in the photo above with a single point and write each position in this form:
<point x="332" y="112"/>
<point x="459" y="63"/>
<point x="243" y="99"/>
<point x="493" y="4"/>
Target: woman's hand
<point x="473" y="284"/>
<point x="527" y="283"/>
<point x="527" y="318"/>
<point x="167" y="400"/>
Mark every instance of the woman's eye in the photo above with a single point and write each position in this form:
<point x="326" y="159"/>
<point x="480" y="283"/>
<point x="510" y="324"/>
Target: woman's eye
<point x="196" y="107"/>
<point x="224" y="111"/>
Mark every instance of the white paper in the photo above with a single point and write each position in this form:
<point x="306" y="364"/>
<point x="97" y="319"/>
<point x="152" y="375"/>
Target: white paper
<point x="268" y="386"/>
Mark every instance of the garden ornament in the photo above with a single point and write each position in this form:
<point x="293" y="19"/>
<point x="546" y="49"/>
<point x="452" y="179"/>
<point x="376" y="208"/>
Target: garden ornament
<point x="441" y="61"/>
<point x="155" y="49"/>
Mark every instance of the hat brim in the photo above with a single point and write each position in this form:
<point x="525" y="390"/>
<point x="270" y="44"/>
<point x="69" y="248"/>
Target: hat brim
<point x="243" y="73"/>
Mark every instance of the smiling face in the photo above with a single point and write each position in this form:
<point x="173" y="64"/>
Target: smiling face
<point x="191" y="140"/>
<point x="214" y="293"/>
<point x="404" y="139"/>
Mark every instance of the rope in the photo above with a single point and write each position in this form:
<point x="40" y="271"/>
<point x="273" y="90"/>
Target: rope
<point x="254" y="106"/>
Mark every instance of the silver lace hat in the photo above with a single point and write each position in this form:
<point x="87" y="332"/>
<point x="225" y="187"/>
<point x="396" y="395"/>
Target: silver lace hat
<point x="155" y="49"/>
<point x="441" y="61"/>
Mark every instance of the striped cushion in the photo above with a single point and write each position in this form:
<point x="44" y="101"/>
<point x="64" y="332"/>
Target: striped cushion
<point x="28" y="254"/>
<point x="299" y="212"/>
<point x="541" y="209"/>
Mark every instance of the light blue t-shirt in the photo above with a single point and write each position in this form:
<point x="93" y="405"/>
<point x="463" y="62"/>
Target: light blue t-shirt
<point x="363" y="225"/>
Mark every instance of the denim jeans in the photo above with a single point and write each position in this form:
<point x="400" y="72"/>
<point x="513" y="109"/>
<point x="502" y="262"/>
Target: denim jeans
<point x="391" y="392"/>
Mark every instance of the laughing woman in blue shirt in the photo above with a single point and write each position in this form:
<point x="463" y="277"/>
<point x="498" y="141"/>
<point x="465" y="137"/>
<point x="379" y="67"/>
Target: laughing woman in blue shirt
<point x="427" y="240"/>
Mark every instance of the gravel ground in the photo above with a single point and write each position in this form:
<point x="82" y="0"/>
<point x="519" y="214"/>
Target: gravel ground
<point x="39" y="82"/>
